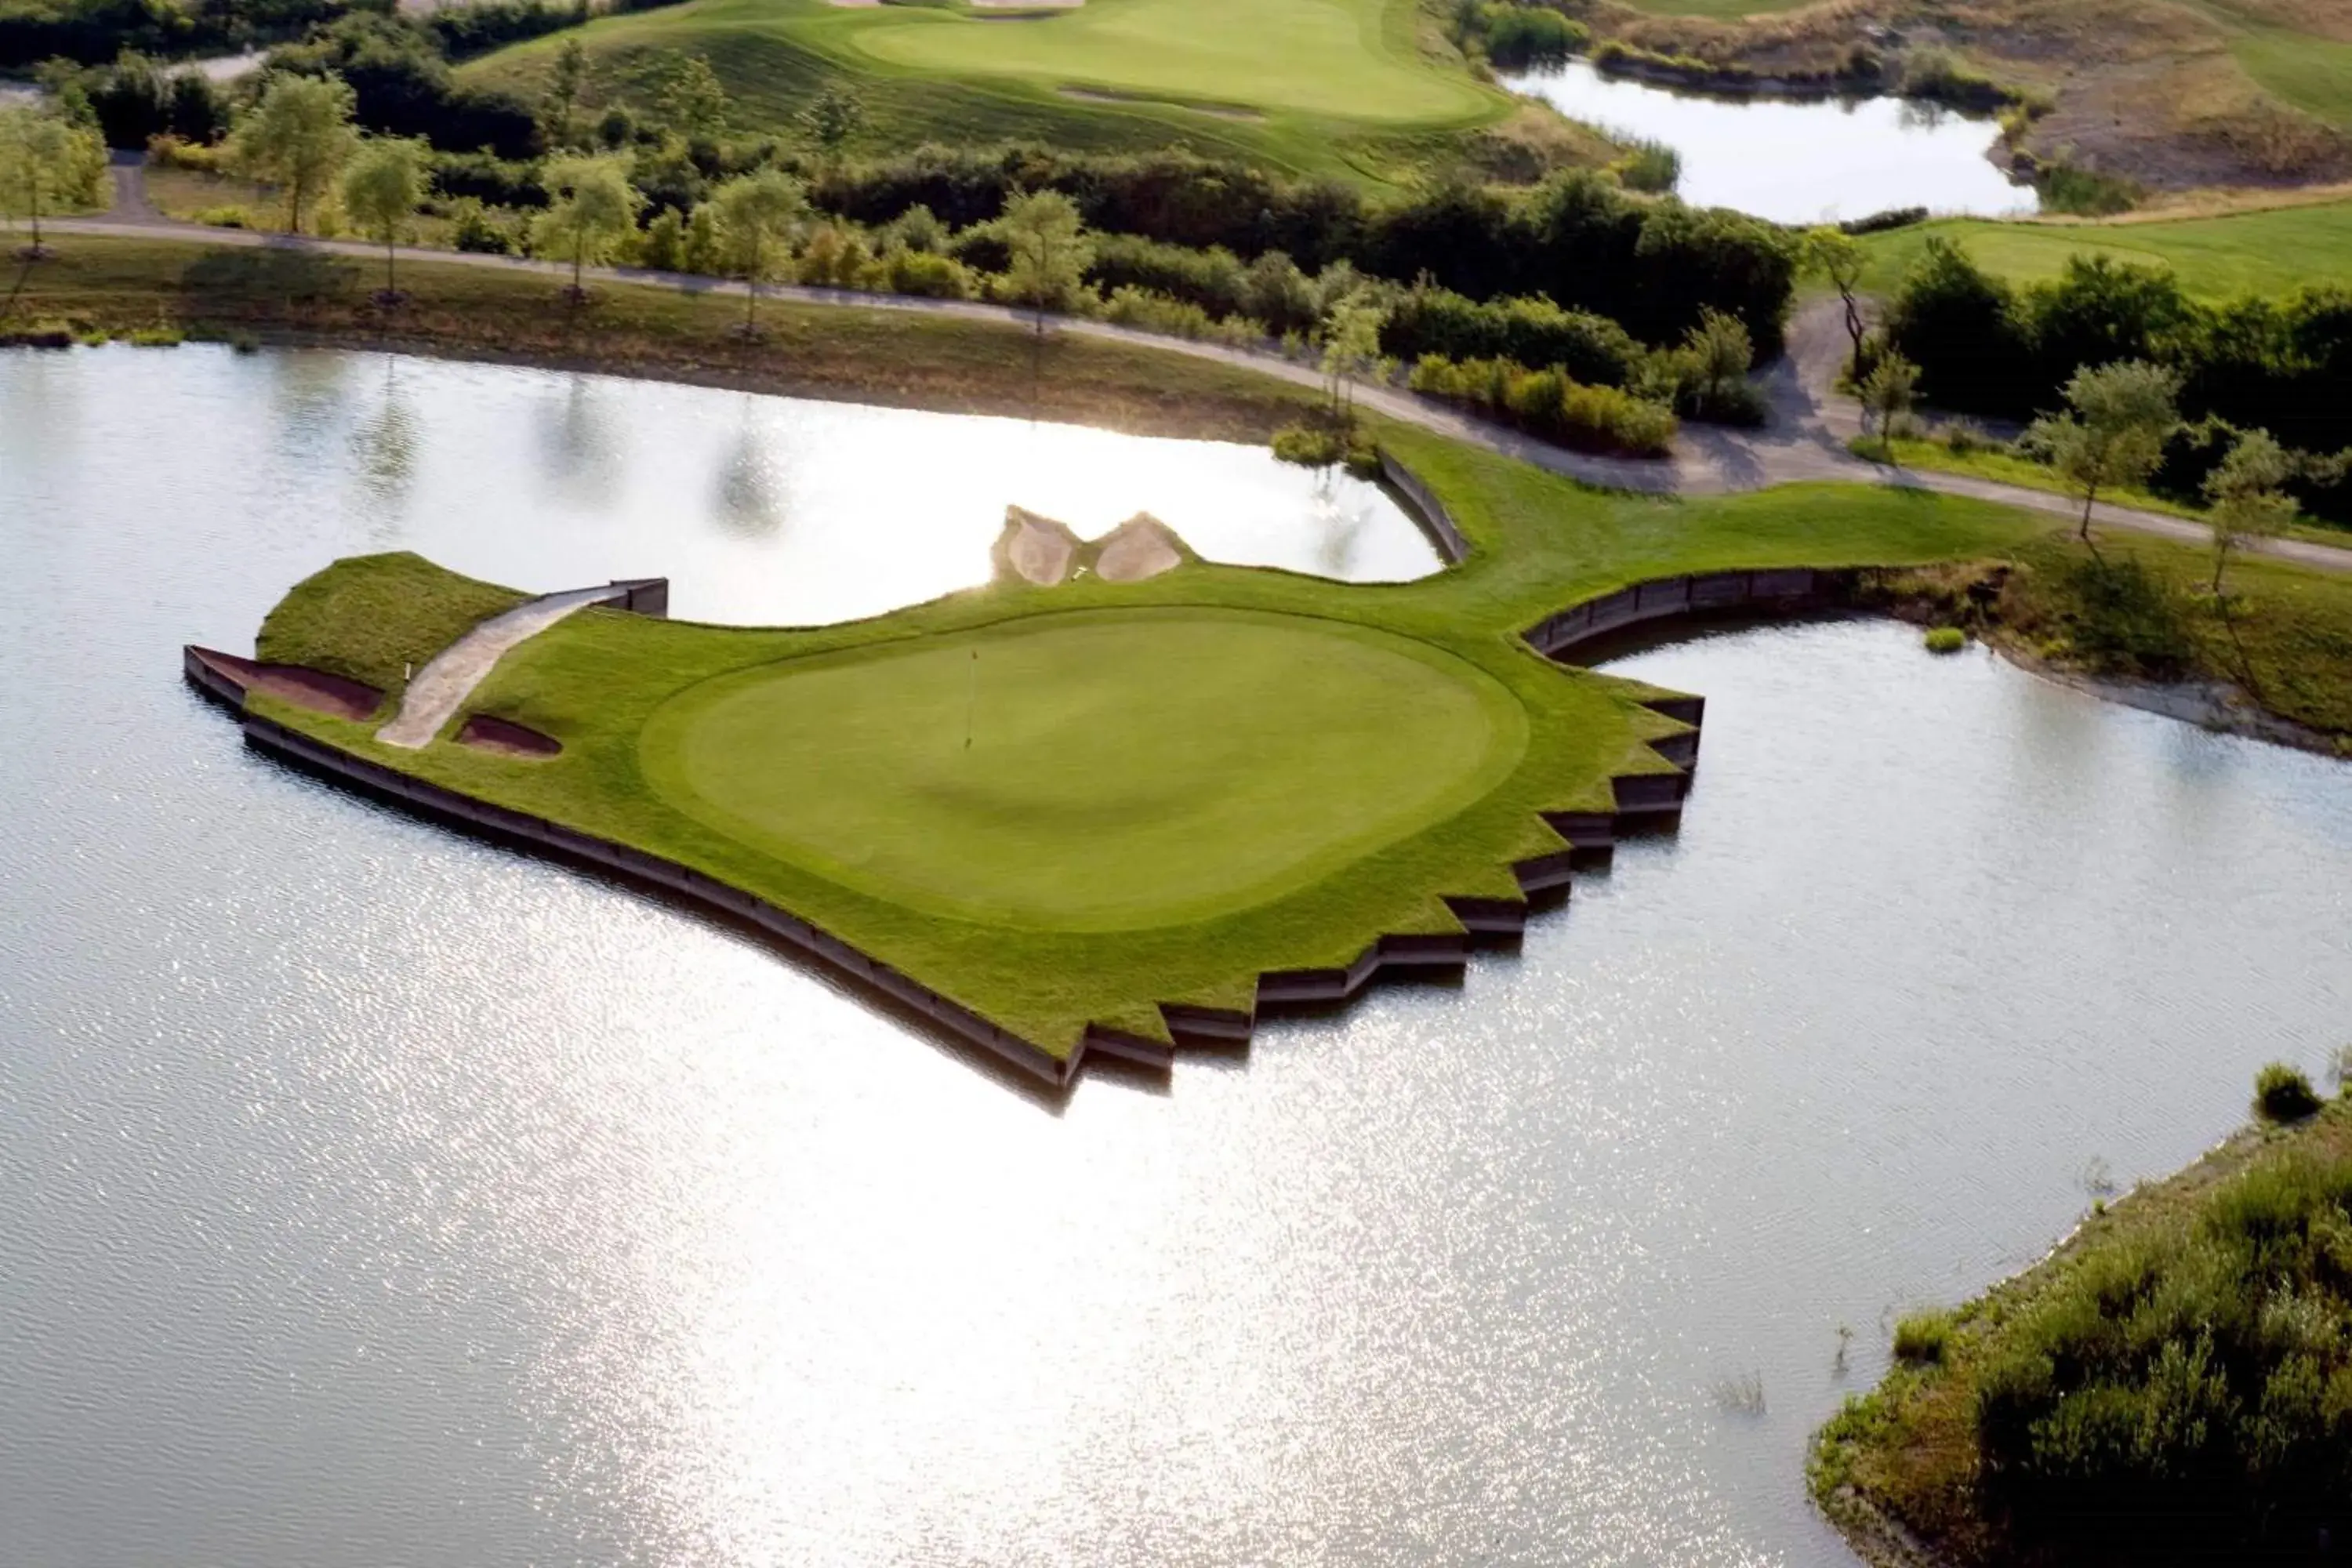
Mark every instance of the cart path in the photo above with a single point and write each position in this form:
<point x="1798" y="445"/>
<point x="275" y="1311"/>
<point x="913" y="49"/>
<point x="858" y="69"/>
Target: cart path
<point x="449" y="678"/>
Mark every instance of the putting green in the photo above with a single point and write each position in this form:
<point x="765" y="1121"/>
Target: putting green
<point x="1125" y="769"/>
<point x="1332" y="57"/>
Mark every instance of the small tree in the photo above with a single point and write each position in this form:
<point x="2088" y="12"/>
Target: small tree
<point x="692" y="99"/>
<point x="594" y="209"/>
<point x="564" y="85"/>
<point x="1886" y="395"/>
<point x="2247" y="493"/>
<point x="381" y="188"/>
<point x="47" y="162"/>
<point x="295" y="137"/>
<point x="835" y="116"/>
<point x="2117" y="417"/>
<point x="1351" y="342"/>
<point x="1050" y="251"/>
<point x="1833" y="254"/>
<point x="756" y="215"/>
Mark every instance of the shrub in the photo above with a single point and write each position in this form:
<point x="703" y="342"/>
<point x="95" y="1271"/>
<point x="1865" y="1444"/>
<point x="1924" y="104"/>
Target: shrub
<point x="1943" y="640"/>
<point x="39" y="335"/>
<point x="168" y="152"/>
<point x="1515" y="36"/>
<point x="1309" y="446"/>
<point x="1550" y="403"/>
<point x="229" y="217"/>
<point x="923" y="273"/>
<point x="477" y="228"/>
<point x="1962" y="436"/>
<point x="1649" y="166"/>
<point x="2069" y="188"/>
<point x="1213" y="279"/>
<point x="1921" y="1338"/>
<point x="2283" y="1093"/>
<point x="1427" y="319"/>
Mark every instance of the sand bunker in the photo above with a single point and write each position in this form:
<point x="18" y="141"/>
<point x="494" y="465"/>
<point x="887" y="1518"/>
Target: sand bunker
<point x="1141" y="547"/>
<point x="305" y="688"/>
<point x="1035" y="549"/>
<point x="506" y="737"/>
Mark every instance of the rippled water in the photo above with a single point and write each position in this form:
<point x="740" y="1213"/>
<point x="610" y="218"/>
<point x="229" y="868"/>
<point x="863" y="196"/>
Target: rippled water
<point x="376" y="1196"/>
<point x="1798" y="162"/>
<point x="765" y="510"/>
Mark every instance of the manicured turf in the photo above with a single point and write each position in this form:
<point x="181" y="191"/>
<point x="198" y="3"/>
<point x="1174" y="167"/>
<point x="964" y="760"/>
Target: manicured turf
<point x="1334" y="57"/>
<point x="2275" y="250"/>
<point x="1090" y="772"/>
<point x="1336" y="86"/>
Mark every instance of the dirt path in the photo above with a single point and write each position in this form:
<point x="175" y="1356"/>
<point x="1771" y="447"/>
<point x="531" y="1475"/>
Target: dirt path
<point x="1804" y="440"/>
<point x="451" y="677"/>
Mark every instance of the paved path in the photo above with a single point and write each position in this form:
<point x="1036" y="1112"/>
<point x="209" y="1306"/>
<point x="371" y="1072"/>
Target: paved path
<point x="1805" y="438"/>
<point x="433" y="698"/>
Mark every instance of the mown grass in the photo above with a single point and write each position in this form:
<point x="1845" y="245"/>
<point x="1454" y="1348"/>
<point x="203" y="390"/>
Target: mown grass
<point x="2273" y="250"/>
<point x="379" y="620"/>
<point x="2140" y="1395"/>
<point x="1338" y="87"/>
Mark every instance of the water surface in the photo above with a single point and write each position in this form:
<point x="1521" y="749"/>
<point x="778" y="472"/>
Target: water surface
<point x="1793" y="161"/>
<point x="378" y="1196"/>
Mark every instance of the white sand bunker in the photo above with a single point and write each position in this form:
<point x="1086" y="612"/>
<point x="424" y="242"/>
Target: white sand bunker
<point x="1141" y="547"/>
<point x="1035" y="549"/>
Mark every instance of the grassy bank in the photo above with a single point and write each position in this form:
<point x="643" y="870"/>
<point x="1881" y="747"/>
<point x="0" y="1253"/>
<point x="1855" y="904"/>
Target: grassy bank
<point x="2168" y="1385"/>
<point x="894" y="357"/>
<point x="1340" y="87"/>
<point x="2272" y="250"/>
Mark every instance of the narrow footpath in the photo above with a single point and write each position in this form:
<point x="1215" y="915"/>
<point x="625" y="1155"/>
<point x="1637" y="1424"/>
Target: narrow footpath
<point x="1805" y="438"/>
<point x="449" y="678"/>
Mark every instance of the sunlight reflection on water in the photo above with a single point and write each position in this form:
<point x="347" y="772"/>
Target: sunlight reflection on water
<point x="376" y="1196"/>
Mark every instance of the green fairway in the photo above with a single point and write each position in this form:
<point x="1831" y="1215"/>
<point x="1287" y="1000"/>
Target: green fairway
<point x="1337" y="87"/>
<point x="1122" y="770"/>
<point x="2276" y="250"/>
<point x="1334" y="57"/>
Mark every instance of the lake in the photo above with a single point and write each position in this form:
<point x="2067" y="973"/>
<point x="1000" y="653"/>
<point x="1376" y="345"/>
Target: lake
<point x="375" y="1195"/>
<point x="1797" y="161"/>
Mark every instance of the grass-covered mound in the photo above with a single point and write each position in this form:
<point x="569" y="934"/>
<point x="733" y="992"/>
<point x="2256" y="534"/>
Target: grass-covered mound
<point x="2173" y="1384"/>
<point x="377" y="618"/>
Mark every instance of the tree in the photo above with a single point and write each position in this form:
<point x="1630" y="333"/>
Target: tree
<point x="381" y="188"/>
<point x="756" y="215"/>
<point x="564" y="85"/>
<point x="1835" y="255"/>
<point x="46" y="163"/>
<point x="296" y="137"/>
<point x="2113" y="432"/>
<point x="693" y="100"/>
<point x="834" y="117"/>
<point x="1886" y="394"/>
<point x="594" y="210"/>
<point x="2248" y="498"/>
<point x="1050" y="251"/>
<point x="1351" y="342"/>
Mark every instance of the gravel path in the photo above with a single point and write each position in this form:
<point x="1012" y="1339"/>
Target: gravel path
<point x="432" y="698"/>
<point x="1804" y="440"/>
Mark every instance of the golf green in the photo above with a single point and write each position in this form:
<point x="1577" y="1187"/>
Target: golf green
<point x="1090" y="771"/>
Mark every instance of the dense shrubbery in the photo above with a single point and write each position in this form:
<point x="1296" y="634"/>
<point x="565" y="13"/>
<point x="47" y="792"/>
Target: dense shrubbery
<point x="405" y="88"/>
<point x="1515" y="36"/>
<point x="1550" y="403"/>
<point x="1430" y="320"/>
<point x="2187" y="1395"/>
<point x="2281" y="365"/>
<point x="90" y="31"/>
<point x="1577" y="239"/>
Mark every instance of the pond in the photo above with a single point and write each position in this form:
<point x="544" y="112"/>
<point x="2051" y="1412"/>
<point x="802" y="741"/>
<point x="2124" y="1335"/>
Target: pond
<point x="1793" y="161"/>
<point x="376" y="1196"/>
<point x="767" y="510"/>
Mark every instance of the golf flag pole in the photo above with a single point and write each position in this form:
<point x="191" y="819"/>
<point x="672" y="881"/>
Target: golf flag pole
<point x="970" y="699"/>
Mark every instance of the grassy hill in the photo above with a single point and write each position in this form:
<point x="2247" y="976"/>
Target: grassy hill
<point x="1343" y="87"/>
<point x="2272" y="250"/>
